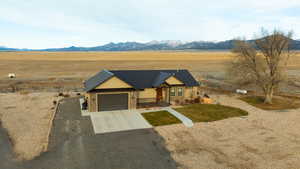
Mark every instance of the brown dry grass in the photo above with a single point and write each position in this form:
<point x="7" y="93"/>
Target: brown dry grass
<point x="112" y="56"/>
<point x="84" y="64"/>
<point x="279" y="103"/>
<point x="26" y="116"/>
<point x="263" y="139"/>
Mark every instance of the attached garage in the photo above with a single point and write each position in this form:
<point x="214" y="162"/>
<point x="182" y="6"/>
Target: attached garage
<point x="111" y="90"/>
<point x="109" y="102"/>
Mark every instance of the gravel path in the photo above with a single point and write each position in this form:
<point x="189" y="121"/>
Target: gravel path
<point x="264" y="139"/>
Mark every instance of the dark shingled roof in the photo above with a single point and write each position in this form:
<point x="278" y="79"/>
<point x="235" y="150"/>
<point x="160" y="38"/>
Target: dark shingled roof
<point x="141" y="79"/>
<point x="161" y="78"/>
<point x="99" y="78"/>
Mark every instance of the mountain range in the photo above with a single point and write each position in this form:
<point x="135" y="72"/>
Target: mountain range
<point x="152" y="45"/>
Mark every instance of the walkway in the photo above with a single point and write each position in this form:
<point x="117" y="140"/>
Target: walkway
<point x="186" y="121"/>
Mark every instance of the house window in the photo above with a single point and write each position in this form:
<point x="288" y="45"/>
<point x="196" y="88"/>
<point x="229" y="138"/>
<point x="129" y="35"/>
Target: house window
<point x="180" y="91"/>
<point x="172" y="92"/>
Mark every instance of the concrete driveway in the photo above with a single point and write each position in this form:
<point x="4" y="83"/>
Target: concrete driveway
<point x="113" y="121"/>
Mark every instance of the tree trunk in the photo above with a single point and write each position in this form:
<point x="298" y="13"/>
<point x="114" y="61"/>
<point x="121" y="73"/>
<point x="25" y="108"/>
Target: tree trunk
<point x="269" y="95"/>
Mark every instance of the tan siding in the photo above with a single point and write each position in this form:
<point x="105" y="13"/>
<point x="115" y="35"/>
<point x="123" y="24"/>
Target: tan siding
<point x="147" y="93"/>
<point x="188" y="93"/>
<point x="196" y="90"/>
<point x="173" y="81"/>
<point x="166" y="94"/>
<point x="176" y="97"/>
<point x="92" y="105"/>
<point x="133" y="100"/>
<point x="113" y="83"/>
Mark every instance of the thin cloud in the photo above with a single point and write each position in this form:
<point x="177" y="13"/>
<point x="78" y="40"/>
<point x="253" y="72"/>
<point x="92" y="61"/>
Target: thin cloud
<point x="47" y="24"/>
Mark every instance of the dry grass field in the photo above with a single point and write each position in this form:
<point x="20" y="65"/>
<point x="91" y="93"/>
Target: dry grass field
<point x="82" y="64"/>
<point x="114" y="56"/>
<point x="52" y="66"/>
<point x="26" y="116"/>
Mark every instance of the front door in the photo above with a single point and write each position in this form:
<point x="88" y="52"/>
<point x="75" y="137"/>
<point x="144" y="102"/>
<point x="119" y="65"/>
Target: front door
<point x="159" y="95"/>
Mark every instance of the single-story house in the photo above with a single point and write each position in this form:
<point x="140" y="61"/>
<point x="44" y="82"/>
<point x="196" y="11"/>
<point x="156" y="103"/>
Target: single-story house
<point x="131" y="89"/>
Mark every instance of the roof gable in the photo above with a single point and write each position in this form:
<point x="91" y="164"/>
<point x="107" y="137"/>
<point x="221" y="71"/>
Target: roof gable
<point x="141" y="79"/>
<point x="97" y="79"/>
<point x="161" y="78"/>
<point x="173" y="81"/>
<point x="113" y="83"/>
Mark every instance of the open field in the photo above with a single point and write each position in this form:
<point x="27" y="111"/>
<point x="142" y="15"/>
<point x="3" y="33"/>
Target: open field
<point x="71" y="68"/>
<point x="82" y="64"/>
<point x="117" y="56"/>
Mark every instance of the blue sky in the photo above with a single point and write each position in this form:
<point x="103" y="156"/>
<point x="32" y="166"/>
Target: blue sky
<point x="60" y="23"/>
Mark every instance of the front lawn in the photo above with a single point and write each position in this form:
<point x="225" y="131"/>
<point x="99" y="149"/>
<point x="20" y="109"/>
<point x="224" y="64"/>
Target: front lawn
<point x="282" y="103"/>
<point x="210" y="112"/>
<point x="160" y="118"/>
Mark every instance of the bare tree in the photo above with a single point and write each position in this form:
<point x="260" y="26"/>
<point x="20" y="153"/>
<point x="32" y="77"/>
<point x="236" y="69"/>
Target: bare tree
<point x="262" y="62"/>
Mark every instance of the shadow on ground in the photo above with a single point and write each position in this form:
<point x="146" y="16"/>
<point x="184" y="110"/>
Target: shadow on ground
<point x="74" y="146"/>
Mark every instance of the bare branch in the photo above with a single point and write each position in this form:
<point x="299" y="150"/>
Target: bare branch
<point x="264" y="62"/>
